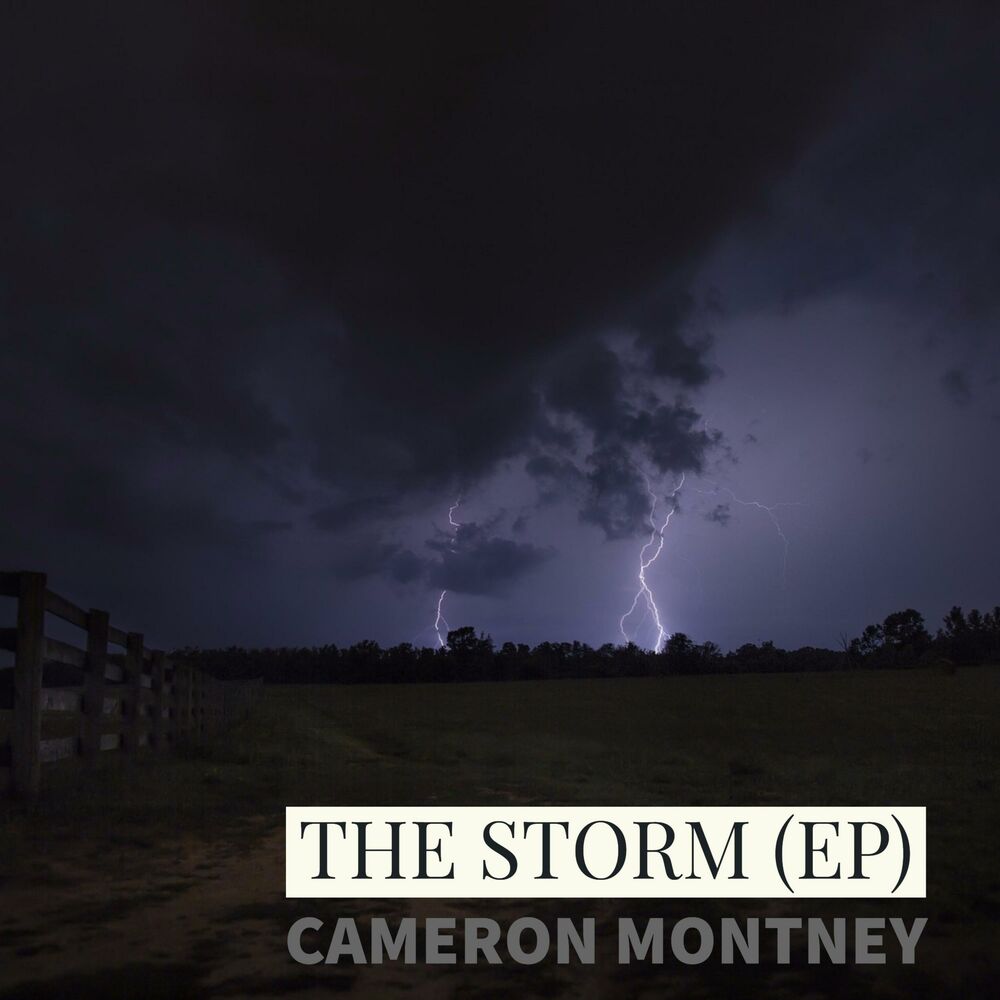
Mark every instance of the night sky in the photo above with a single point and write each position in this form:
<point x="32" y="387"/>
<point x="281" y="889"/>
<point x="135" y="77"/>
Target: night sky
<point x="280" y="284"/>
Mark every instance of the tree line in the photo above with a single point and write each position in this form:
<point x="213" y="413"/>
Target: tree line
<point x="902" y="640"/>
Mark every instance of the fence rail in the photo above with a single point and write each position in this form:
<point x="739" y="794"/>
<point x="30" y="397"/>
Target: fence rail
<point x="116" y="700"/>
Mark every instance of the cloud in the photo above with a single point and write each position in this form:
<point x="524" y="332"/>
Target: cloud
<point x="405" y="268"/>
<point x="472" y="560"/>
<point x="405" y="566"/>
<point x="617" y="502"/>
<point x="555" y="477"/>
<point x="621" y="431"/>
<point x="589" y="385"/>
<point x="719" y="514"/>
<point x="412" y="315"/>
<point x="477" y="562"/>
<point x="661" y="317"/>
<point x="674" y="436"/>
<point x="367" y="555"/>
<point x="349" y="512"/>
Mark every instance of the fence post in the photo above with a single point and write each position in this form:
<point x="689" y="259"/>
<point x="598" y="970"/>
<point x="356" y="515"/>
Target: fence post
<point x="205" y="689"/>
<point x="190" y="732"/>
<point x="26" y="730"/>
<point x="174" y="703"/>
<point x="182" y="677"/>
<point x="93" y="683"/>
<point x="197" y="694"/>
<point x="159" y="737"/>
<point x="215" y="690"/>
<point x="133" y="690"/>
<point x="208" y="706"/>
<point x="179" y="723"/>
<point x="170" y="703"/>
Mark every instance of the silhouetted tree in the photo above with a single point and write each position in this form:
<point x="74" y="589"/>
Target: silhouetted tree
<point x="904" y="631"/>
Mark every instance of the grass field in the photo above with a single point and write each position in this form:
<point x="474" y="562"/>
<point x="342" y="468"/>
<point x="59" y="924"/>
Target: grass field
<point x="159" y="877"/>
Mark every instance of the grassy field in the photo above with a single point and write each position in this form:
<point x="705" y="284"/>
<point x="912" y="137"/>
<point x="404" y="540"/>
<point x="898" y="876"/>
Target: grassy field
<point x="159" y="877"/>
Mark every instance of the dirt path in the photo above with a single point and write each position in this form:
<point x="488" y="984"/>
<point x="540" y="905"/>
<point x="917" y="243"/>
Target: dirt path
<point x="211" y="920"/>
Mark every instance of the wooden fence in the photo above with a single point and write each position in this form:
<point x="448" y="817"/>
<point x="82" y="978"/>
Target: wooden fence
<point x="114" y="700"/>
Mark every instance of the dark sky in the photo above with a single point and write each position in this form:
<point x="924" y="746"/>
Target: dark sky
<point x="282" y="283"/>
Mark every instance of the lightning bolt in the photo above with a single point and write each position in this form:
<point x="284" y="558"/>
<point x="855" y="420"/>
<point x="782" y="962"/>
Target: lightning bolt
<point x="440" y="619"/>
<point x="656" y="543"/>
<point x="771" y="512"/>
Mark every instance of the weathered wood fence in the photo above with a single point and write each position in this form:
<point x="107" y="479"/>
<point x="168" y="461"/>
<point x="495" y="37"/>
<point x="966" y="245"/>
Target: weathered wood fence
<point x="119" y="701"/>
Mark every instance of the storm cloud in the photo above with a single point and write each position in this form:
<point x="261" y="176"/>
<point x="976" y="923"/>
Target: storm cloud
<point x="479" y="562"/>
<point x="278" y="285"/>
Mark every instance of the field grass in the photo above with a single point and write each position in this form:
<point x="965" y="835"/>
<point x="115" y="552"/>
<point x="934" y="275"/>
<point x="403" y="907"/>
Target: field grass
<point x="173" y="865"/>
